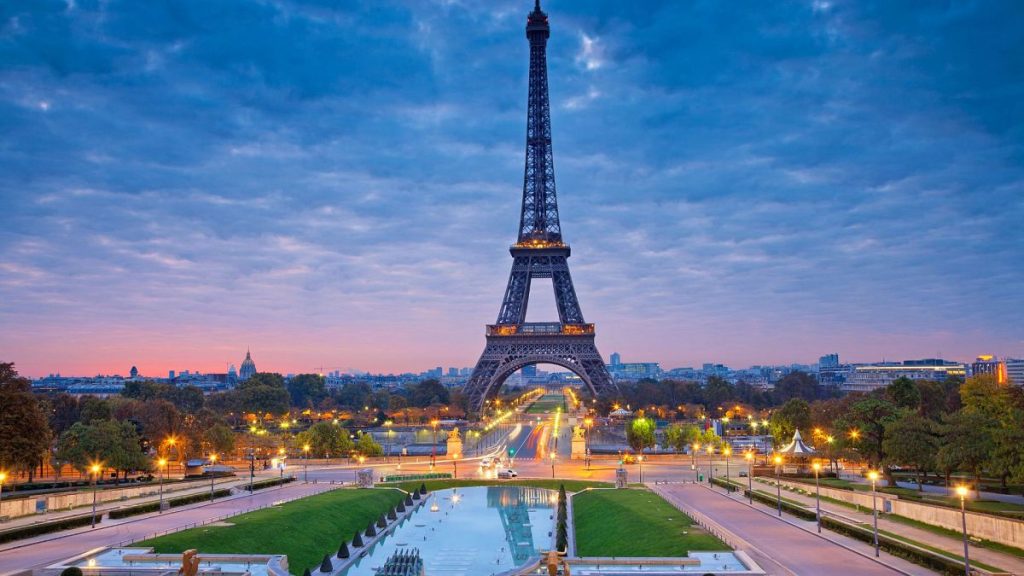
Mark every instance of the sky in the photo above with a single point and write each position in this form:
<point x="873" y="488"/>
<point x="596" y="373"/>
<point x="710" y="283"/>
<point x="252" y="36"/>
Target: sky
<point x="335" y="185"/>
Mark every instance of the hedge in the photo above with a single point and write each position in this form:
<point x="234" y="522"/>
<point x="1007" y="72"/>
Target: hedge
<point x="172" y="503"/>
<point x="47" y="527"/>
<point x="919" y="556"/>
<point x="407" y="477"/>
<point x="268" y="483"/>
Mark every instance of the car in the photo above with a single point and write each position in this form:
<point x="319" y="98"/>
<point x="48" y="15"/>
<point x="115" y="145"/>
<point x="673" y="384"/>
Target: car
<point x="486" y="462"/>
<point x="507" y="473"/>
<point x="743" y="473"/>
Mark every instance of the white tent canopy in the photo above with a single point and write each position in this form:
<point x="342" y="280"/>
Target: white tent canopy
<point x="797" y="447"/>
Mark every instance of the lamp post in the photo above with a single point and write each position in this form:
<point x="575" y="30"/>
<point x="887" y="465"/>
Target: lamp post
<point x="711" y="464"/>
<point x="3" y="478"/>
<point x="161" y="464"/>
<point x="587" y="423"/>
<point x="962" y="491"/>
<point x="727" y="452"/>
<point x="305" y="463"/>
<point x="387" y="436"/>
<point x="252" y="457"/>
<point x="749" y="455"/>
<point x="95" y="472"/>
<point x="553" y="465"/>
<point x="213" y="460"/>
<point x="433" y="446"/>
<point x="693" y="453"/>
<point x="778" y="483"/>
<point x="640" y="461"/>
<point x="873" y="476"/>
<point x="280" y="466"/>
<point x="817" y="494"/>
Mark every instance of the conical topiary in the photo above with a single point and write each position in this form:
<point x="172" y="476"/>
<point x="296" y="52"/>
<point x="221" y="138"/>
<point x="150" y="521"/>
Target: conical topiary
<point x="325" y="565"/>
<point x="392" y="515"/>
<point x="400" y="508"/>
<point x="357" y="541"/>
<point x="306" y="572"/>
<point x="381" y="522"/>
<point x="343" y="550"/>
<point x="423" y="488"/>
<point x="408" y="500"/>
<point x="370" y="530"/>
<point x="416" y="495"/>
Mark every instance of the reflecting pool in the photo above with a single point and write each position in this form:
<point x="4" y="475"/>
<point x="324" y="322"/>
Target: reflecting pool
<point x="471" y="531"/>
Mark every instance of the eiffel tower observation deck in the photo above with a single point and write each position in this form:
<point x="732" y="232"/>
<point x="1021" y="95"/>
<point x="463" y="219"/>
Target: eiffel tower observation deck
<point x="539" y="252"/>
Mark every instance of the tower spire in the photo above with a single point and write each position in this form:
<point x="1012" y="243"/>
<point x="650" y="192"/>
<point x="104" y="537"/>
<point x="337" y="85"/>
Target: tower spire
<point x="538" y="221"/>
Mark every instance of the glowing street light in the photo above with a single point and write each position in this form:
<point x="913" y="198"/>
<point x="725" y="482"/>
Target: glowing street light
<point x="749" y="455"/>
<point x="873" y="476"/>
<point x="778" y="483"/>
<point x="817" y="494"/>
<point x="161" y="464"/>
<point x="3" y="478"/>
<point x="213" y="461"/>
<point x="553" y="466"/>
<point x="727" y="452"/>
<point x="962" y="492"/>
<point x="305" y="463"/>
<point x="94" y="471"/>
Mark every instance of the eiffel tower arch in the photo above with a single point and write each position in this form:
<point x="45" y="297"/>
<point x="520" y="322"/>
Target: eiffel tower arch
<point x="540" y="252"/>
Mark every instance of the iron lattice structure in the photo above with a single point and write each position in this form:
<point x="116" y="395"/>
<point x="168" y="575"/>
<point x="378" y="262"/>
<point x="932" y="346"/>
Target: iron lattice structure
<point x="540" y="252"/>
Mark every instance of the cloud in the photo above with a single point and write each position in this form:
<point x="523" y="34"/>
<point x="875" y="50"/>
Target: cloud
<point x="340" y="185"/>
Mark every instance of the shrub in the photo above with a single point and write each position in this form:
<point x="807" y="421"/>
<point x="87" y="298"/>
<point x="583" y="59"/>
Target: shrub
<point x="343" y="550"/>
<point x="71" y="571"/>
<point x="357" y="540"/>
<point x="47" y="527"/>
<point x="325" y="565"/>
<point x="919" y="556"/>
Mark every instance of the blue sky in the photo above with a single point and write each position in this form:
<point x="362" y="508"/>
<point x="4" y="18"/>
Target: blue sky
<point x="337" y="184"/>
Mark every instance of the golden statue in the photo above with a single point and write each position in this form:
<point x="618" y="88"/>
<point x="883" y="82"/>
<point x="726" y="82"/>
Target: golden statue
<point x="189" y="563"/>
<point x="454" y="434"/>
<point x="578" y="432"/>
<point x="553" y="560"/>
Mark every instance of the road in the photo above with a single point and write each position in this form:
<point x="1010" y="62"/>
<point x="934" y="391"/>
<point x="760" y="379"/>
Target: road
<point x="800" y="552"/>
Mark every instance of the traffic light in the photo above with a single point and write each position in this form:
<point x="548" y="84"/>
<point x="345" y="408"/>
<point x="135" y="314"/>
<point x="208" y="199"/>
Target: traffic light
<point x="511" y="451"/>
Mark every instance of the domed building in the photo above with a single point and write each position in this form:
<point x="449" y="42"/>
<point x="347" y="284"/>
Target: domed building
<point x="248" y="369"/>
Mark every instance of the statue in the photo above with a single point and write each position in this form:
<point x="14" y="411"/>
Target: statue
<point x="189" y="563"/>
<point x="553" y="560"/>
<point x="454" y="434"/>
<point x="578" y="432"/>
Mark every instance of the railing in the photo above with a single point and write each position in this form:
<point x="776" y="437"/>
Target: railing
<point x="540" y="329"/>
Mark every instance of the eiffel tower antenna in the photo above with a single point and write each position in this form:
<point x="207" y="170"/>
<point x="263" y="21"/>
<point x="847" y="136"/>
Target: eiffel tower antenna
<point x="540" y="252"/>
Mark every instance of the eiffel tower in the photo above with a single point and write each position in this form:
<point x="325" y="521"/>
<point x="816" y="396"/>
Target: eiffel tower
<point x="540" y="252"/>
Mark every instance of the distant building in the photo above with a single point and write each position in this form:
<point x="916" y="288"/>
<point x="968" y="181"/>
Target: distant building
<point x="987" y="364"/>
<point x="616" y="359"/>
<point x="170" y="374"/>
<point x="1014" y="371"/>
<point x="248" y="369"/>
<point x="453" y="372"/>
<point x="232" y="373"/>
<point x="873" y="376"/>
<point x="828" y="361"/>
<point x="133" y="373"/>
<point x="632" y="370"/>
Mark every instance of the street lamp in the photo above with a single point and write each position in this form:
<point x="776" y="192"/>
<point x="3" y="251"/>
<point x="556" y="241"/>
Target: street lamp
<point x="3" y="477"/>
<point x="749" y="455"/>
<point x="778" y="483"/>
<point x="305" y="463"/>
<point x="711" y="463"/>
<point x="161" y="464"/>
<point x="95" y="473"/>
<point x="640" y="461"/>
<point x="553" y="465"/>
<point x="817" y="494"/>
<point x="433" y="446"/>
<point x="213" y="461"/>
<point x="873" y="476"/>
<point x="587" y="423"/>
<point x="693" y="453"/>
<point x="387" y="436"/>
<point x="962" y="492"/>
<point x="727" y="451"/>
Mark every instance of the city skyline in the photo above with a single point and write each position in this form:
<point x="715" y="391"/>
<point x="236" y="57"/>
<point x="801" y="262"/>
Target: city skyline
<point x="768" y="186"/>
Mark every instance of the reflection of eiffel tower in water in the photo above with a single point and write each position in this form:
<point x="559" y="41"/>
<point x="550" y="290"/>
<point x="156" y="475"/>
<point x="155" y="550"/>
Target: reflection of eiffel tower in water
<point x="514" y="504"/>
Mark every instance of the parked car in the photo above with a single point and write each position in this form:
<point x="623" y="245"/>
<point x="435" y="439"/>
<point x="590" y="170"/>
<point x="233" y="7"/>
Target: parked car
<point x="743" y="473"/>
<point x="507" y="473"/>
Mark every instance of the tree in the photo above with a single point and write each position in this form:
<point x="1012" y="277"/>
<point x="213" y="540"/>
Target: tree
<point x="93" y="409"/>
<point x="912" y="442"/>
<point x="678" y="436"/>
<point x="796" y="385"/>
<point x="717" y="392"/>
<point x="967" y="443"/>
<point x="159" y="419"/>
<point x="64" y="412"/>
<point x="367" y="446"/>
<point x="866" y="420"/>
<point x="794" y="415"/>
<point x="354" y="395"/>
<point x="306" y="390"/>
<point x="24" y="429"/>
<point x="259" y="398"/>
<point x="325" y="439"/>
<point x="904" y="393"/>
<point x="110" y="443"/>
<point x="220" y="439"/>
<point x="428" y="393"/>
<point x="640" y="434"/>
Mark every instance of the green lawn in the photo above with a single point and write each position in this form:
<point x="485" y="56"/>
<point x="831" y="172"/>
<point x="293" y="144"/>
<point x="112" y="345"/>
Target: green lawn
<point x="635" y="522"/>
<point x="570" y="485"/>
<point x="303" y="529"/>
<point x="547" y="403"/>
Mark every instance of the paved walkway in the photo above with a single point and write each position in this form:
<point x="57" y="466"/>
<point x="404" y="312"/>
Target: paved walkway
<point x="955" y="546"/>
<point x="45" y="550"/>
<point x="797" y="551"/>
